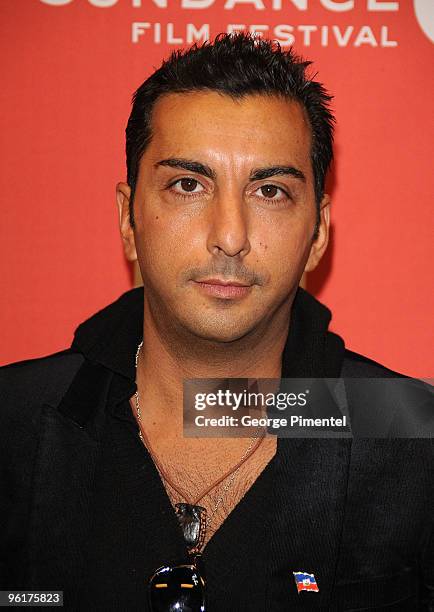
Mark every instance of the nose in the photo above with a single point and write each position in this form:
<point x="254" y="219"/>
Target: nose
<point x="228" y="226"/>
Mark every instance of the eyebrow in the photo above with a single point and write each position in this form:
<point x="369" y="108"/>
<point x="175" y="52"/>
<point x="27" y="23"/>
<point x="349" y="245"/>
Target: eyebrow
<point x="263" y="173"/>
<point x="256" y="175"/>
<point x="189" y="165"/>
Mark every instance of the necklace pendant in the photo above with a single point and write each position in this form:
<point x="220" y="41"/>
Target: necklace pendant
<point x="192" y="520"/>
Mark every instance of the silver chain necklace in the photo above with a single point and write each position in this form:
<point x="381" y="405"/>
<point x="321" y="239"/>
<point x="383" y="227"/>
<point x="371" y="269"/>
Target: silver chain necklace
<point x="161" y="472"/>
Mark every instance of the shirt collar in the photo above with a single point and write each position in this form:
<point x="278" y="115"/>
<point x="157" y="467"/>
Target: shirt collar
<point x="111" y="337"/>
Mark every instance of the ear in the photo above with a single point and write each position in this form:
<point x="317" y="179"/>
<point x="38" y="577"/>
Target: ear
<point x="319" y="245"/>
<point x="123" y="195"/>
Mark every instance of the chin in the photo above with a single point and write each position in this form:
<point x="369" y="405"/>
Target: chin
<point x="220" y="331"/>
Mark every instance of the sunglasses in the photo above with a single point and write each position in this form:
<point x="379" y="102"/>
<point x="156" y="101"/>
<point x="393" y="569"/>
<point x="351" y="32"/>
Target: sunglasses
<point x="181" y="588"/>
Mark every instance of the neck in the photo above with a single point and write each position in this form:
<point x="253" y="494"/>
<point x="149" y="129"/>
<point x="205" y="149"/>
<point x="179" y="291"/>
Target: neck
<point x="169" y="356"/>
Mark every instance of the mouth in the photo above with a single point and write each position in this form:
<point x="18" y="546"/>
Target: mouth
<point x="226" y="289"/>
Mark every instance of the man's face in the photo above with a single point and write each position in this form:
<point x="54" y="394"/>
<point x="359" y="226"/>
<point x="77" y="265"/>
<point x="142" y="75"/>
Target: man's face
<point x="224" y="212"/>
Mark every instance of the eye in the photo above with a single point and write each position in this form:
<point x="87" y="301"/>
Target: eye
<point x="272" y="192"/>
<point x="187" y="185"/>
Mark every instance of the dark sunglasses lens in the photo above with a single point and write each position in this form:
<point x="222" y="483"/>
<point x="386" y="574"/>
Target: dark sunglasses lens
<point x="177" y="589"/>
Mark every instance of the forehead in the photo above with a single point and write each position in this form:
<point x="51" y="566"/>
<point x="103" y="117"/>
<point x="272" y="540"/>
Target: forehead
<point x="252" y="130"/>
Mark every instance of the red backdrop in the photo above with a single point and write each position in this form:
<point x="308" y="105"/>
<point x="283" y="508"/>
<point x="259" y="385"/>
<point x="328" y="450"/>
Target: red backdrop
<point x="69" y="69"/>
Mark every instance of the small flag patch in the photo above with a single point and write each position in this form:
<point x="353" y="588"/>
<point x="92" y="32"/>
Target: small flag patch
<point x="305" y="582"/>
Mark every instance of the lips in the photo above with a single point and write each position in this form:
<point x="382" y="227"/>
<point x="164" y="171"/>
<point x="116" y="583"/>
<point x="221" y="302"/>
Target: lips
<point x="226" y="289"/>
<point x="224" y="283"/>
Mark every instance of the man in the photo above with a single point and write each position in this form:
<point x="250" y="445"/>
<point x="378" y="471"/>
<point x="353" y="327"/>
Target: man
<point x="228" y="145"/>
